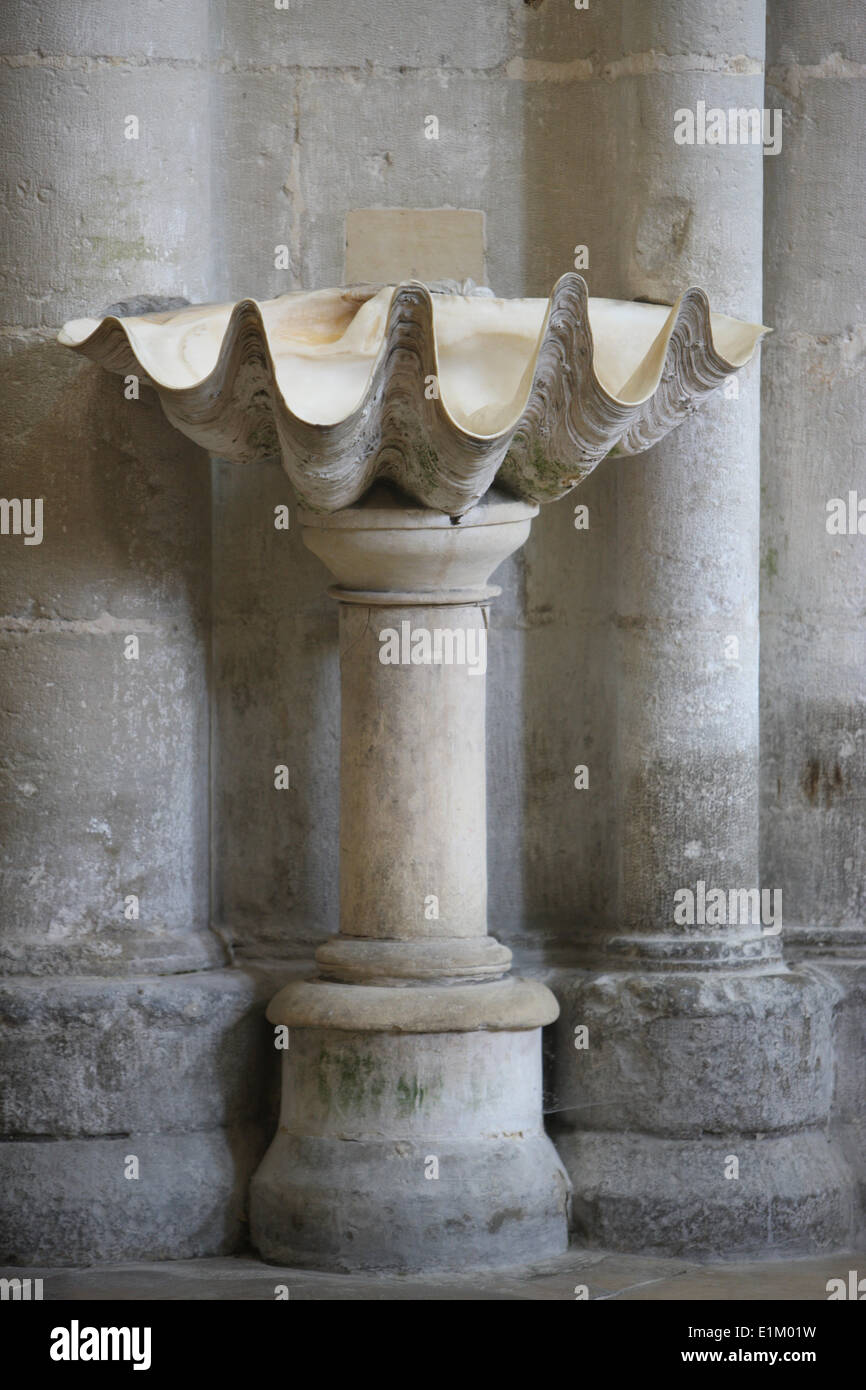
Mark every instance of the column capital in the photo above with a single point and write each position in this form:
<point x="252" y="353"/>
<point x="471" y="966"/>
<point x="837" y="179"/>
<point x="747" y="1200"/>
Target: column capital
<point x="387" y="551"/>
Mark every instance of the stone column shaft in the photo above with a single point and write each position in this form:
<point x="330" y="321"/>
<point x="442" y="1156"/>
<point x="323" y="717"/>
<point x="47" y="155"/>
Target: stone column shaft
<point x="106" y="958"/>
<point x="813" y="593"/>
<point x="694" y="1030"/>
<point x="413" y="767"/>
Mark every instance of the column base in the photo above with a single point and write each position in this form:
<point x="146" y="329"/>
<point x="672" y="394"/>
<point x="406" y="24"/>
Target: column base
<point x="791" y="1193"/>
<point x="695" y="1114"/>
<point x="408" y="1151"/>
<point x="70" y="1201"/>
<point x="347" y="1205"/>
<point x="172" y="1070"/>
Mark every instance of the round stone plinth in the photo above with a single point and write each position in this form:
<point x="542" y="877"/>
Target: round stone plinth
<point x="728" y="1194"/>
<point x="505" y="1005"/>
<point x="410" y="1151"/>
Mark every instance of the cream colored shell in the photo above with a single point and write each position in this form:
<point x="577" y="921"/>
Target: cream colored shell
<point x="439" y="393"/>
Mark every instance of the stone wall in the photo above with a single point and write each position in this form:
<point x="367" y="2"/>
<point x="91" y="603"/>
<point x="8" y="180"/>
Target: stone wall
<point x="153" y="777"/>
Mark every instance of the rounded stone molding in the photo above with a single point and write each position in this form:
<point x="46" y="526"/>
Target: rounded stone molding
<point x="382" y="552"/>
<point x="448" y="960"/>
<point x="654" y="1039"/>
<point x="176" y="1071"/>
<point x="680" y="950"/>
<point x="103" y="1036"/>
<point x="684" y="1071"/>
<point x="512" y="1004"/>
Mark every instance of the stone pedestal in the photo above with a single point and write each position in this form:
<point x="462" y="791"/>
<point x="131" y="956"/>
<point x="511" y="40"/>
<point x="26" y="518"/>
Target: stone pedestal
<point x="411" y="1131"/>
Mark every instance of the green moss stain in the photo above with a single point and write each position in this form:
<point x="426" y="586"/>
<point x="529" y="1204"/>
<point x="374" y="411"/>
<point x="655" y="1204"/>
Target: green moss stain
<point x="539" y="474"/>
<point x="770" y="562"/>
<point x="426" y="460"/>
<point x="542" y="467"/>
<point x="348" y="1079"/>
<point x="111" y="251"/>
<point x="410" y="1095"/>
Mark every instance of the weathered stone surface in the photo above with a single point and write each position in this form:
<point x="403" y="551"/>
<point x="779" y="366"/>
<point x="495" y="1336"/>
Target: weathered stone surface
<point x="103" y="791"/>
<point x="407" y="1153"/>
<point x="126" y="498"/>
<point x="507" y="1202"/>
<point x="643" y="37"/>
<point x="848" y="1115"/>
<point x="687" y="1055"/>
<point x="799" y="37"/>
<point x="68" y="1200"/>
<point x="121" y="813"/>
<point x="813" y="676"/>
<point x="385" y="159"/>
<point x="103" y="27"/>
<point x="89" y="1057"/>
<point x="84" y="241"/>
<point x="793" y="1191"/>
<point x="324" y="34"/>
<point x="256" y="110"/>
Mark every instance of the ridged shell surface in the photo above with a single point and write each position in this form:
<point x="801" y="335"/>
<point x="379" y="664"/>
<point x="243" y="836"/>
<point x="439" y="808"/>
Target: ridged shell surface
<point x="438" y="393"/>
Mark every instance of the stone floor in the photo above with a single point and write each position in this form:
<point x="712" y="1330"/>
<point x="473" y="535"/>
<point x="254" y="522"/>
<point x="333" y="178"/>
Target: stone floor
<point x="605" y="1276"/>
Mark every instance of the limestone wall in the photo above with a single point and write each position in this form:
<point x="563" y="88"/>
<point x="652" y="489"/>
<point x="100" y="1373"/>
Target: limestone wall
<point x="151" y="777"/>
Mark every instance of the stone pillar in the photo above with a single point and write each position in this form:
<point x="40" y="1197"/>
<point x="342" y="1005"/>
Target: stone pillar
<point x="411" y="1132"/>
<point x="813" y="650"/>
<point x="693" y="1111"/>
<point x="113" y="1006"/>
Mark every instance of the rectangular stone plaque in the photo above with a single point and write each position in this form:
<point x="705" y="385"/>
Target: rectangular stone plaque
<point x="385" y="245"/>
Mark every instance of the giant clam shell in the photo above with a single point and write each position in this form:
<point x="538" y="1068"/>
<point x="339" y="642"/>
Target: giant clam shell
<point x="439" y="393"/>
